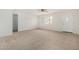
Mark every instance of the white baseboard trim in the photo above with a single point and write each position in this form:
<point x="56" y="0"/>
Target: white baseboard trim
<point x="28" y="28"/>
<point x="8" y="34"/>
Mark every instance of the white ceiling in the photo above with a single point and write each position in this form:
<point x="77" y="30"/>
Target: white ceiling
<point x="38" y="12"/>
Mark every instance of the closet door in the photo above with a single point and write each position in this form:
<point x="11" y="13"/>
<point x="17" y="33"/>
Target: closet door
<point x="76" y="23"/>
<point x="67" y="23"/>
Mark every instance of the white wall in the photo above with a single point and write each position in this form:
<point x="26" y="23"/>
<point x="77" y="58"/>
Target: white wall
<point x="29" y="20"/>
<point x="26" y="19"/>
<point x="5" y="22"/>
<point x="58" y="22"/>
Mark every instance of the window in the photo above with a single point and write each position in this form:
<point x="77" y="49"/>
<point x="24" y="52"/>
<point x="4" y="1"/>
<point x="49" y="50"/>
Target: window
<point x="48" y="20"/>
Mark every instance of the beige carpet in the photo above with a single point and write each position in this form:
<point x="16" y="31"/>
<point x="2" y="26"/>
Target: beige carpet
<point x="40" y="40"/>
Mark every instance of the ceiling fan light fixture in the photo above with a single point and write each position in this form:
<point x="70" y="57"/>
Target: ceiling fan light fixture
<point x="43" y="10"/>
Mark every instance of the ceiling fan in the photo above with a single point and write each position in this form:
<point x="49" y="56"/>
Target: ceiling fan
<point x="43" y="10"/>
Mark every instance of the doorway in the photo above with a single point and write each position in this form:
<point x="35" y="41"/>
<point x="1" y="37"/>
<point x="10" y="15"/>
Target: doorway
<point x="15" y="22"/>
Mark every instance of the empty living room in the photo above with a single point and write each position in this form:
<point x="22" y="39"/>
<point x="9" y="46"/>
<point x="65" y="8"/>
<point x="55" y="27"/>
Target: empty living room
<point x="39" y="29"/>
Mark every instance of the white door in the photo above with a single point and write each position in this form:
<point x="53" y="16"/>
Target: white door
<point x="67" y="23"/>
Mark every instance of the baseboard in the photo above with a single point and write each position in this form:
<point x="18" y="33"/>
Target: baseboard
<point x="29" y="28"/>
<point x="6" y="35"/>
